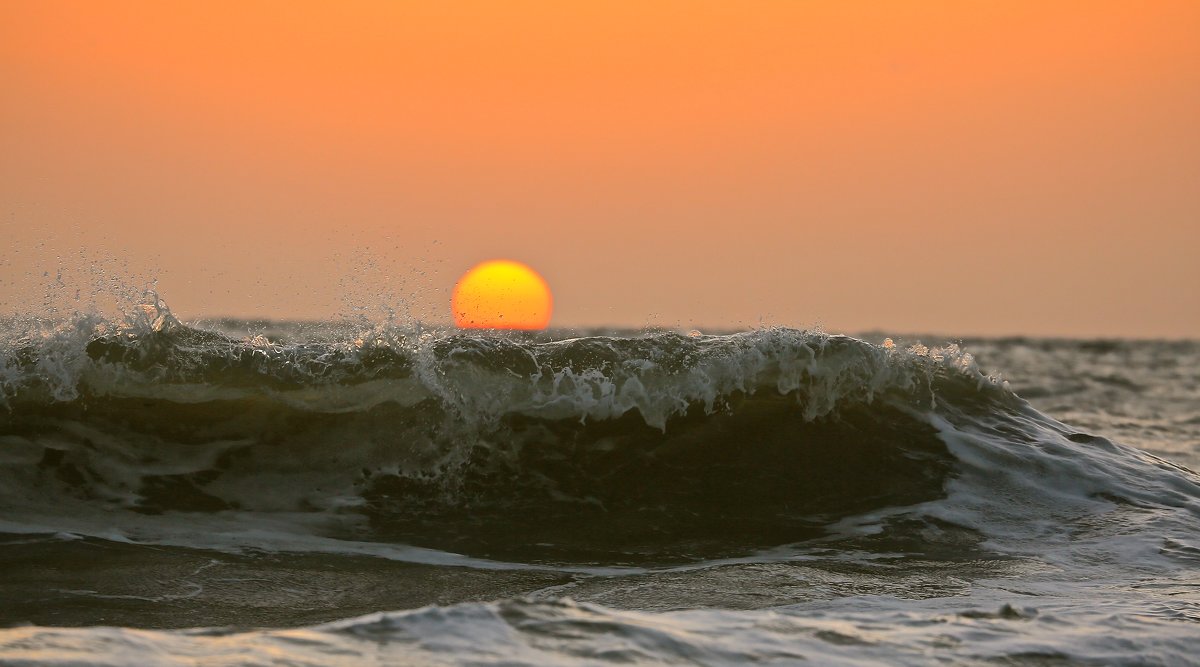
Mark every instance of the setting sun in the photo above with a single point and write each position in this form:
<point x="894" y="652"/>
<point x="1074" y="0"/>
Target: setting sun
<point x="501" y="294"/>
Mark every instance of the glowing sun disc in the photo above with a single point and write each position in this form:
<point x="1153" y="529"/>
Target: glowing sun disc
<point x="501" y="294"/>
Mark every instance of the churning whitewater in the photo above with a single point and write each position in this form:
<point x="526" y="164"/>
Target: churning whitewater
<point x="584" y="499"/>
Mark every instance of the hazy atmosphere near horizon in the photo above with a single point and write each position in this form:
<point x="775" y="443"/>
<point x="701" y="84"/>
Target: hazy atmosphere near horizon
<point x="571" y="333"/>
<point x="960" y="168"/>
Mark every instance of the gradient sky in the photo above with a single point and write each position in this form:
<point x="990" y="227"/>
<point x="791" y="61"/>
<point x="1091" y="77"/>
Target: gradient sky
<point x="956" y="167"/>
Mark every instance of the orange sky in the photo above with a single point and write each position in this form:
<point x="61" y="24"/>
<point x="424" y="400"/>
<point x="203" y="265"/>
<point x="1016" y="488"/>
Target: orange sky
<point x="960" y="167"/>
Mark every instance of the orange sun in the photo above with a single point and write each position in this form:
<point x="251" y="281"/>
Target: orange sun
<point x="501" y="294"/>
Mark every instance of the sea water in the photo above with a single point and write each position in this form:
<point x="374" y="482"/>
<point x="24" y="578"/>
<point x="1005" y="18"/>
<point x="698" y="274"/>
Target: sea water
<point x="235" y="493"/>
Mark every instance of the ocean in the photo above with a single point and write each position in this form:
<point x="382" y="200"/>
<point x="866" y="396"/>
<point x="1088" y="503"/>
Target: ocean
<point x="263" y="493"/>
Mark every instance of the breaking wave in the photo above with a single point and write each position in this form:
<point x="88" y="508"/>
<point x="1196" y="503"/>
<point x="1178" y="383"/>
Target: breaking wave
<point x="613" y="449"/>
